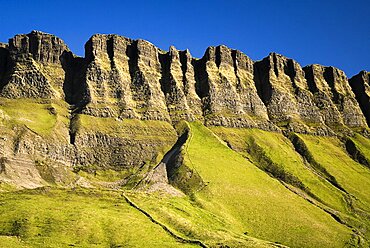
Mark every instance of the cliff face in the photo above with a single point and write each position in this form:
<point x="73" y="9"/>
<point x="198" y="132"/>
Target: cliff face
<point x="225" y="85"/>
<point x="283" y="88"/>
<point x="34" y="69"/>
<point x="334" y="96"/>
<point x="360" y="84"/>
<point x="116" y="107"/>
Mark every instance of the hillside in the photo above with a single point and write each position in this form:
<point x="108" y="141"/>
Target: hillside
<point x="134" y="146"/>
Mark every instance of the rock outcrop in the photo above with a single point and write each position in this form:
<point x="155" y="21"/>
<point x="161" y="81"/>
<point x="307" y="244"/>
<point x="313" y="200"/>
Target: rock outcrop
<point x="283" y="88"/>
<point x="116" y="106"/>
<point x="178" y="84"/>
<point x="225" y="85"/>
<point x="360" y="84"/>
<point x="34" y="67"/>
<point x="334" y="96"/>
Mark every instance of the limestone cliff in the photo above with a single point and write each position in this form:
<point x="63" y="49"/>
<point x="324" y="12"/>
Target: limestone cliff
<point x="283" y="88"/>
<point x="334" y="96"/>
<point x="360" y="84"/>
<point x="225" y="85"/>
<point x="34" y="69"/>
<point x="116" y="106"/>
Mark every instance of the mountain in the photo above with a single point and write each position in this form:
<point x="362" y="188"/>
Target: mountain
<point x="134" y="146"/>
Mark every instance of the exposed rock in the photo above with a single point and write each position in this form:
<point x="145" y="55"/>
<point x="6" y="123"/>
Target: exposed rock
<point x="334" y="97"/>
<point x="189" y="84"/>
<point x="42" y="47"/>
<point x="123" y="146"/>
<point x="108" y="77"/>
<point x="34" y="68"/>
<point x="126" y="74"/>
<point x="116" y="107"/>
<point x="283" y="88"/>
<point x="360" y="84"/>
<point x="178" y="85"/>
<point x="224" y="83"/>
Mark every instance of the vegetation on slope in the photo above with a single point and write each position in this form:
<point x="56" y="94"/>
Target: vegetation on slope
<point x="321" y="185"/>
<point x="231" y="202"/>
<point x="257" y="203"/>
<point x="40" y="116"/>
<point x="78" y="218"/>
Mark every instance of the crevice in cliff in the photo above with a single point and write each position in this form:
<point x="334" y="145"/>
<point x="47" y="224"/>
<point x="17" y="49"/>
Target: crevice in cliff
<point x="34" y="45"/>
<point x="290" y="70"/>
<point x="133" y="59"/>
<point x="261" y="80"/>
<point x="165" y="81"/>
<point x="235" y="65"/>
<point x="308" y="72"/>
<point x="201" y="83"/>
<point x="357" y="84"/>
<point x="4" y="60"/>
<point x="274" y="60"/>
<point x="355" y="153"/>
<point x="132" y="54"/>
<point x="218" y="56"/>
<point x="75" y="89"/>
<point x="329" y="78"/>
<point x="184" y="68"/>
<point x="110" y="51"/>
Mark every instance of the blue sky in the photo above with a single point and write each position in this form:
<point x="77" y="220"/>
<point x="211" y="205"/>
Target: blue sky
<point x="329" y="32"/>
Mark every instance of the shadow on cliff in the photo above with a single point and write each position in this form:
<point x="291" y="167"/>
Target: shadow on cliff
<point x="4" y="60"/>
<point x="75" y="88"/>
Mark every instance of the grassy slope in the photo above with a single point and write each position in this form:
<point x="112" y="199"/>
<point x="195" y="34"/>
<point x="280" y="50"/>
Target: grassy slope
<point x="330" y="153"/>
<point x="362" y="144"/>
<point x="40" y="116"/>
<point x="191" y="220"/>
<point x="129" y="128"/>
<point x="239" y="198"/>
<point x="280" y="150"/>
<point x="353" y="177"/>
<point x="255" y="202"/>
<point x="82" y="218"/>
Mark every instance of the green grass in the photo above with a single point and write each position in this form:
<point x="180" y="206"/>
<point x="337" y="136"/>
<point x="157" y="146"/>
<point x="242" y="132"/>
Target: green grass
<point x="78" y="218"/>
<point x="363" y="144"/>
<point x="40" y="116"/>
<point x="130" y="128"/>
<point x="190" y="220"/>
<point x="253" y="201"/>
<point x="237" y="204"/>
<point x="354" y="178"/>
<point x="280" y="151"/>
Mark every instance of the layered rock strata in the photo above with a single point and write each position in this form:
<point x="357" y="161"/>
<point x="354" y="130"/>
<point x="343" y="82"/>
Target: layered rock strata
<point x="282" y="86"/>
<point x="116" y="106"/>
<point x="34" y="68"/>
<point x="225" y="85"/>
<point x="334" y="97"/>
